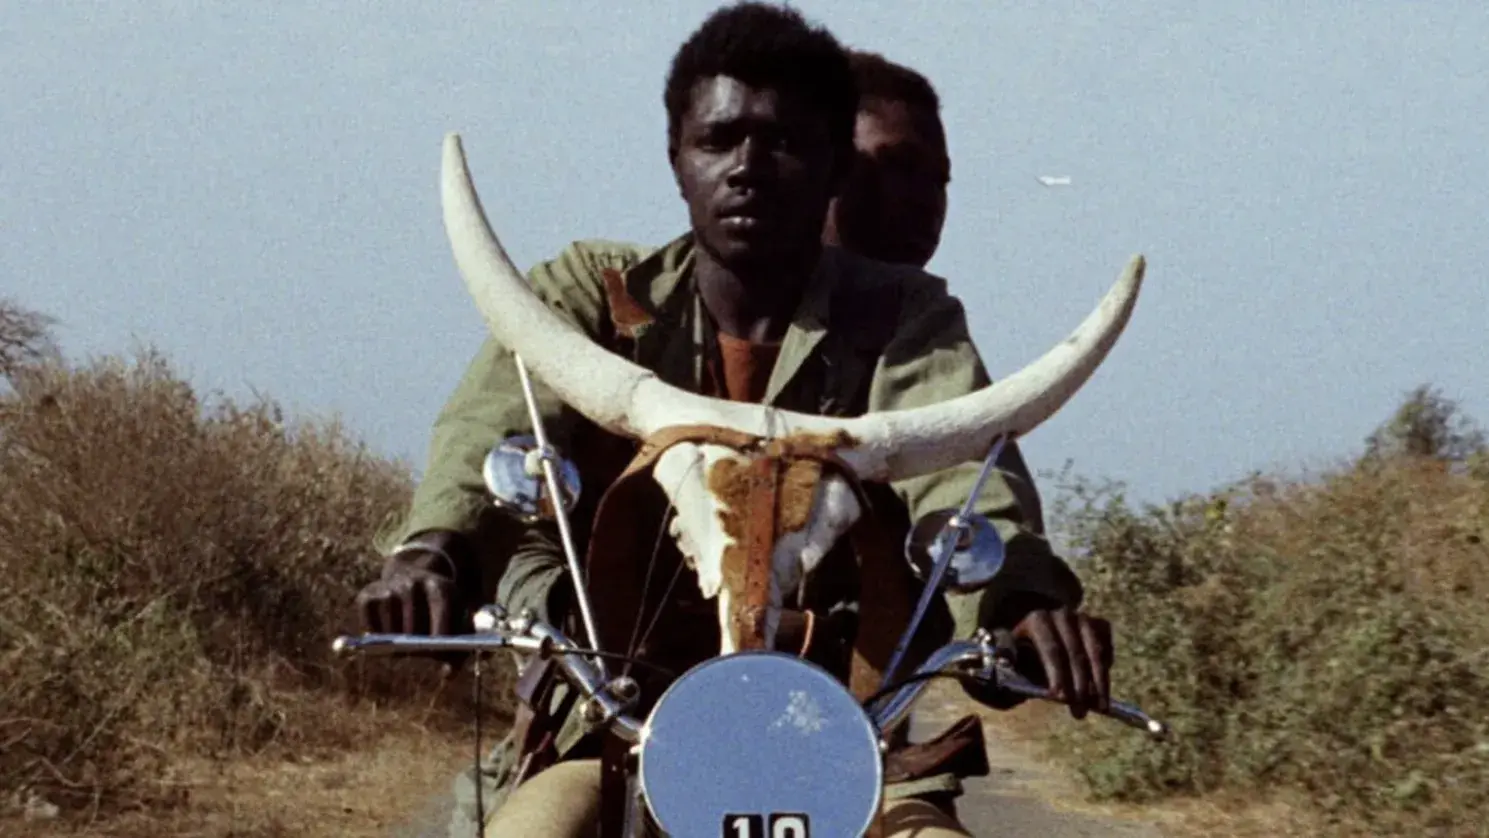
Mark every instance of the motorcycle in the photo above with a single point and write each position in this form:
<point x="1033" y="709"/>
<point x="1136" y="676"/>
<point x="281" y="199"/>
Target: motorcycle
<point x="753" y="744"/>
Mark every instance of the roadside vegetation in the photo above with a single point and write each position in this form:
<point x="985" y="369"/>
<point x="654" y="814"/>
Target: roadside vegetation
<point x="1322" y="638"/>
<point x="174" y="570"/>
<point x="175" y="566"/>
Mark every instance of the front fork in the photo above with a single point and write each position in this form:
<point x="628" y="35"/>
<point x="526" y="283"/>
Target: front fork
<point x="635" y="807"/>
<point x="622" y="809"/>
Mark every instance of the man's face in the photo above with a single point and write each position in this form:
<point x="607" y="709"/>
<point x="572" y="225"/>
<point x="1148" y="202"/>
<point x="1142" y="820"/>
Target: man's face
<point x="757" y="169"/>
<point x="894" y="203"/>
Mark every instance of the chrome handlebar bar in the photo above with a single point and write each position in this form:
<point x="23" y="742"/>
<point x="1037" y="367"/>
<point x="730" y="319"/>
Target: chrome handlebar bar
<point x="607" y="700"/>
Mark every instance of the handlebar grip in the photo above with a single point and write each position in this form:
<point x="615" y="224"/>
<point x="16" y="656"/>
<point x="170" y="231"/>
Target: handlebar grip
<point x="1013" y="681"/>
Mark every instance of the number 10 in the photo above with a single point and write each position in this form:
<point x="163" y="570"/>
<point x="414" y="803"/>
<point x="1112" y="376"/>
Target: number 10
<point x="782" y="825"/>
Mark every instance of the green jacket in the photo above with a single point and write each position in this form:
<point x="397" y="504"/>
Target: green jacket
<point x="867" y="336"/>
<point x="828" y="364"/>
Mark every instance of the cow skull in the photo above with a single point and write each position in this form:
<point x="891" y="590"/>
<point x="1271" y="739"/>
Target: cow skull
<point x="631" y="401"/>
<point x="701" y="482"/>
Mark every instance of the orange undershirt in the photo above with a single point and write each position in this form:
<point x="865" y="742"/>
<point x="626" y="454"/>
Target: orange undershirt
<point x="747" y="367"/>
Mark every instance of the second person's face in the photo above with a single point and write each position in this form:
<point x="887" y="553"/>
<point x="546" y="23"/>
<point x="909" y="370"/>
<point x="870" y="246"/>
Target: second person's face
<point x="893" y="206"/>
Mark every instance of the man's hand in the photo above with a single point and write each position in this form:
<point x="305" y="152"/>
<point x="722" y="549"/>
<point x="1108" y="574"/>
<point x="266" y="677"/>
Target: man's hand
<point x="410" y="598"/>
<point x="1076" y="651"/>
<point x="418" y="592"/>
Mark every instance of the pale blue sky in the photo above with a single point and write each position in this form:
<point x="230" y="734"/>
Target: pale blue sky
<point x="253" y="188"/>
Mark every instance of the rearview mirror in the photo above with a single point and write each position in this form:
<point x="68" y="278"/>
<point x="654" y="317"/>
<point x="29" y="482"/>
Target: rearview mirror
<point x="513" y="473"/>
<point x="977" y="550"/>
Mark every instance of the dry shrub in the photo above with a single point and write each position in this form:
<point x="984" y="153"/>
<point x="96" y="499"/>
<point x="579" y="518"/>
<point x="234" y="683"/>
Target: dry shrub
<point x="173" y="574"/>
<point x="25" y="338"/>
<point x="1320" y="638"/>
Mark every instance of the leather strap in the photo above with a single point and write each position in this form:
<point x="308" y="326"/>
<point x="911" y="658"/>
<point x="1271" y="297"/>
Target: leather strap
<point x="762" y="528"/>
<point x="960" y="750"/>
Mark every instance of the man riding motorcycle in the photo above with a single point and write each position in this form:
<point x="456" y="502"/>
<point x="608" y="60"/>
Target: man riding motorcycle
<point x="748" y="305"/>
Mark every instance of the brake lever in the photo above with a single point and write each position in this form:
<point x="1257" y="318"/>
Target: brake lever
<point x="1000" y="670"/>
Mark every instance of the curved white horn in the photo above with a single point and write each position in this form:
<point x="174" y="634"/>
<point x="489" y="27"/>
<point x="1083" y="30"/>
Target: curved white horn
<point x="600" y="385"/>
<point x="905" y="443"/>
<point x="630" y="400"/>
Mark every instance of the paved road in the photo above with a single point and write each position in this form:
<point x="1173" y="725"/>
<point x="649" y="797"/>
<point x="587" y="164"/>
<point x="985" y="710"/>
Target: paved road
<point x="1013" y="800"/>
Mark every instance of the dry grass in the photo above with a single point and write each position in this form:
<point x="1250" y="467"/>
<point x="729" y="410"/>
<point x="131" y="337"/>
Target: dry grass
<point x="173" y="573"/>
<point x="369" y="792"/>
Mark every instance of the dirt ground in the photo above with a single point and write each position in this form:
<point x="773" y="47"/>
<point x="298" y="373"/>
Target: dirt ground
<point x="399" y="788"/>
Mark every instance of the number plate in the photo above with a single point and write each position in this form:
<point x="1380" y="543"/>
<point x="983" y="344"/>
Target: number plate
<point x="782" y="825"/>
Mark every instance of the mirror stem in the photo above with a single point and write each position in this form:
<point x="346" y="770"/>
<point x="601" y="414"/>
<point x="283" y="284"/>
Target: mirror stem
<point x="549" y="459"/>
<point x="946" y="546"/>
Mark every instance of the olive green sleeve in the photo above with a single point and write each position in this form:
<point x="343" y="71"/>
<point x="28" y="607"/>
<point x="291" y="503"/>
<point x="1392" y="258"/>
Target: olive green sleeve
<point x="931" y="359"/>
<point x="488" y="406"/>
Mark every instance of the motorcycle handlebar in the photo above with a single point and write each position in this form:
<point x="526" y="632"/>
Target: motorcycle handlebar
<point x="1011" y="680"/>
<point x="605" y="701"/>
<point x="982" y="660"/>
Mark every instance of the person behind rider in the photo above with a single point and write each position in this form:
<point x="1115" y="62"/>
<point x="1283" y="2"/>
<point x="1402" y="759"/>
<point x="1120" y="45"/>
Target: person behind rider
<point x="892" y="206"/>
<point x="748" y="304"/>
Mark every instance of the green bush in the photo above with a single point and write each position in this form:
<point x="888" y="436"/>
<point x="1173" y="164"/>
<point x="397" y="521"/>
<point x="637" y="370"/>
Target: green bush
<point x="1325" y="638"/>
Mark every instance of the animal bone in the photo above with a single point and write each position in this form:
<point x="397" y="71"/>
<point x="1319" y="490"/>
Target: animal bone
<point x="630" y="400"/>
<point x="704" y="484"/>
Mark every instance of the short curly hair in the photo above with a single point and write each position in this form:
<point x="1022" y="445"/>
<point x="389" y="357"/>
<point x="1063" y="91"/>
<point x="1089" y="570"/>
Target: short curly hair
<point x="879" y="78"/>
<point x="766" y="45"/>
<point x="883" y="80"/>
